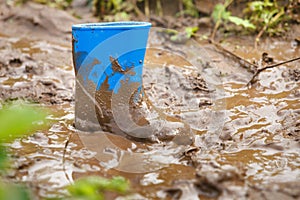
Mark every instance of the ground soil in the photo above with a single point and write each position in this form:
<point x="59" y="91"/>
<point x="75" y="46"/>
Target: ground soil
<point x="245" y="139"/>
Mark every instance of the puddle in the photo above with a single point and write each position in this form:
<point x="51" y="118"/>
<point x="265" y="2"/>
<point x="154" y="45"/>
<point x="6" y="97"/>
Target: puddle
<point x="246" y="140"/>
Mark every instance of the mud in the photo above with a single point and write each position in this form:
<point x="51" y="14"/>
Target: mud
<point x="32" y="20"/>
<point x="133" y="115"/>
<point x="26" y="72"/>
<point x="245" y="139"/>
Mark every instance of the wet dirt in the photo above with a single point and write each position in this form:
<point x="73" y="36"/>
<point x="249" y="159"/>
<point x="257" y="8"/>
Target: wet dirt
<point x="246" y="139"/>
<point x="29" y="74"/>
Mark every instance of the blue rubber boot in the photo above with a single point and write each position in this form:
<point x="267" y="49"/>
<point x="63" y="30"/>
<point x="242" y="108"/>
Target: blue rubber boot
<point x="108" y="61"/>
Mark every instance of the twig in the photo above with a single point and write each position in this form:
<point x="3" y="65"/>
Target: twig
<point x="139" y="13"/>
<point x="219" y="20"/>
<point x="147" y="9"/>
<point x="246" y="64"/>
<point x="257" y="38"/>
<point x="159" y="8"/>
<point x="213" y="35"/>
<point x="253" y="79"/>
<point x="180" y="6"/>
<point x="64" y="158"/>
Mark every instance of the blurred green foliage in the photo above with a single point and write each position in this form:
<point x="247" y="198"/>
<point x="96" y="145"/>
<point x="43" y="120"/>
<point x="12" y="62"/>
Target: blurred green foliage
<point x="221" y="15"/>
<point x="16" y="120"/>
<point x="190" y="31"/>
<point x="112" y="10"/>
<point x="189" y="8"/>
<point x="267" y="15"/>
<point x="121" y="9"/>
<point x="11" y="191"/>
<point x="61" y="4"/>
<point x="181" y="37"/>
<point x="93" y="188"/>
<point x="3" y="157"/>
<point x="270" y="17"/>
<point x="254" y="17"/>
<point x="19" y="119"/>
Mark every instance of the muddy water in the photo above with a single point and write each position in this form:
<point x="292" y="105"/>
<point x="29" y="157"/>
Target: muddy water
<point x="246" y="140"/>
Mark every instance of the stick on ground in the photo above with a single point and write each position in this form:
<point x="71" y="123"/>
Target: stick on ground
<point x="253" y="79"/>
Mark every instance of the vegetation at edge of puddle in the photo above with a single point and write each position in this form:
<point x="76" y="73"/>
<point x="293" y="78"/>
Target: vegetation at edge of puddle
<point x="16" y="120"/>
<point x="20" y="119"/>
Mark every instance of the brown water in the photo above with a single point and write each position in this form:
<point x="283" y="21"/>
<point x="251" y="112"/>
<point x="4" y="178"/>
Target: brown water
<point x="246" y="140"/>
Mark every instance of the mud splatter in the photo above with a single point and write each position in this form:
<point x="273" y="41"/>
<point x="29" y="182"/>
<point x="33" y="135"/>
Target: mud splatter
<point x="116" y="67"/>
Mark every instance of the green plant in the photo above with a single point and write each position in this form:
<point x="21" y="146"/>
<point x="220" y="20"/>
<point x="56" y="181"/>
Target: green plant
<point x="112" y="10"/>
<point x="269" y="17"/>
<point x="114" y="5"/>
<point x="189" y="8"/>
<point x="191" y="31"/>
<point x="93" y="188"/>
<point x="260" y="16"/>
<point x="119" y="16"/>
<point x="220" y="16"/>
<point x="266" y="15"/>
<point x="180" y="37"/>
<point x="14" y="191"/>
<point x="16" y="120"/>
<point x="61" y="4"/>
<point x="19" y="119"/>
